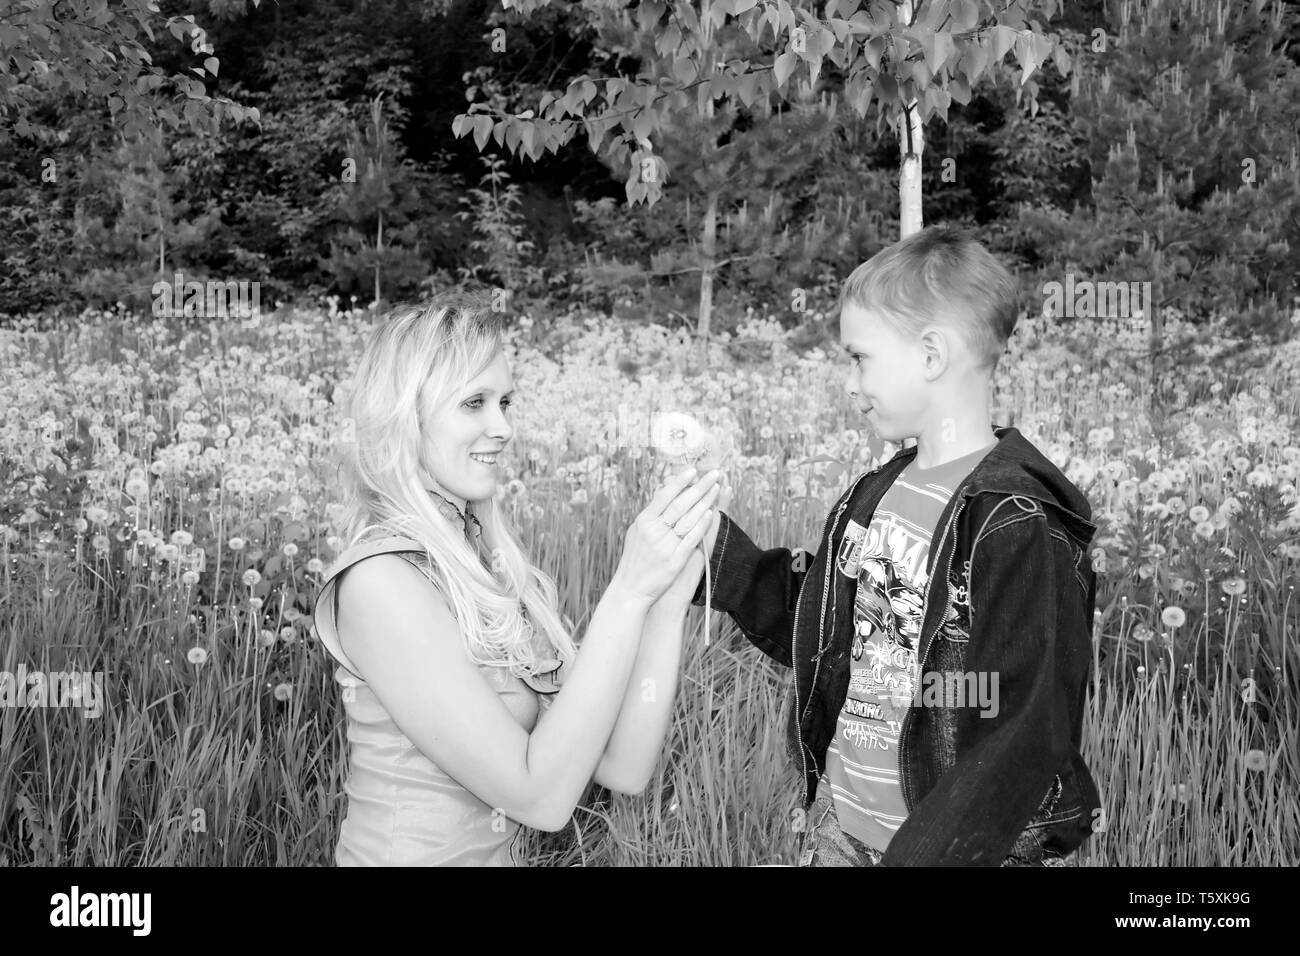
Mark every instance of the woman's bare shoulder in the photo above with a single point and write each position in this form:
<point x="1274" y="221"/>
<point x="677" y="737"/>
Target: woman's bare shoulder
<point x="386" y="582"/>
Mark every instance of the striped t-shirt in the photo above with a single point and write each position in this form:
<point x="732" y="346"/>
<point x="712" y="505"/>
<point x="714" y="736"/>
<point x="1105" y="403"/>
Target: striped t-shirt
<point x="888" y="559"/>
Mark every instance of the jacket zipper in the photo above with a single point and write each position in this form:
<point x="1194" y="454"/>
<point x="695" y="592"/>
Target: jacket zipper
<point x="904" y="778"/>
<point x="832" y="524"/>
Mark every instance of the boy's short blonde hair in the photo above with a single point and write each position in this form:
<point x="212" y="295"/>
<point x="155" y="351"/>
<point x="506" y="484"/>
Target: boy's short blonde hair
<point x="940" y="274"/>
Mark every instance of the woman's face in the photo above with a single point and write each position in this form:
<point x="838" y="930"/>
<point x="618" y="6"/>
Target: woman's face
<point x="463" y="441"/>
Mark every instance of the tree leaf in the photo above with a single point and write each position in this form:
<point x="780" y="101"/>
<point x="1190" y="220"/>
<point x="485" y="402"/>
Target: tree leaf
<point x="965" y="15"/>
<point x="482" y="130"/>
<point x="683" y="69"/>
<point x="887" y="88"/>
<point x="669" y="40"/>
<point x="873" y="50"/>
<point x="783" y="67"/>
<point x="975" y="61"/>
<point x="959" y="88"/>
<point x="921" y="73"/>
<point x="860" y="90"/>
<point x="824" y="42"/>
<point x="939" y="50"/>
<point x="1002" y="40"/>
<point x="643" y="125"/>
<point x="1061" y="58"/>
<point x="1026" y="53"/>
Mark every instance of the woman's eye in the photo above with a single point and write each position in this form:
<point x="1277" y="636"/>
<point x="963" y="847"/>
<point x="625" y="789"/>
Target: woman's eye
<point x="477" y="403"/>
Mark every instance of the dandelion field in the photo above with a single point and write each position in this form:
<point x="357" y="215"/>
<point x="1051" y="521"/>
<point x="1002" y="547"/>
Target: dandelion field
<point x="166" y="512"/>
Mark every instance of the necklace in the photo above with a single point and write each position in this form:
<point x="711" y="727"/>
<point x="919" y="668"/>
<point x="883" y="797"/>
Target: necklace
<point x="470" y="524"/>
<point x="473" y="530"/>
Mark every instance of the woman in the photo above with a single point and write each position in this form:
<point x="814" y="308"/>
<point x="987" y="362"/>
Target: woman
<point x="470" y="710"/>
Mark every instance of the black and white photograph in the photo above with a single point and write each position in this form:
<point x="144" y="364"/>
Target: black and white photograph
<point x="645" y="434"/>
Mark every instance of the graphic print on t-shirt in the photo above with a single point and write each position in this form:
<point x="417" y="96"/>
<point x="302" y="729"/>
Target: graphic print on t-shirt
<point x="888" y="561"/>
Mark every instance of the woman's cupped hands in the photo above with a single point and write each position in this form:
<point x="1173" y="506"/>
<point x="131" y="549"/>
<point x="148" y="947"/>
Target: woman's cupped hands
<point x="663" y="543"/>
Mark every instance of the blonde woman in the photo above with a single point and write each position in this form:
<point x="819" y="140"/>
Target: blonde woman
<point x="470" y="710"/>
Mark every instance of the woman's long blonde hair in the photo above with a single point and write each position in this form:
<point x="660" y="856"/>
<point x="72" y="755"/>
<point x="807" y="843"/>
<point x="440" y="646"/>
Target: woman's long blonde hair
<point x="414" y="363"/>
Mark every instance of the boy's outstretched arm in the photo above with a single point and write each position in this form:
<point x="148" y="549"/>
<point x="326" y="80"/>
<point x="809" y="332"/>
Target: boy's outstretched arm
<point x="1021" y="619"/>
<point x="758" y="589"/>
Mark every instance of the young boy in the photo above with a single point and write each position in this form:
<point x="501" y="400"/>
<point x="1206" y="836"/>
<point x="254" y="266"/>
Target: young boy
<point x="941" y="637"/>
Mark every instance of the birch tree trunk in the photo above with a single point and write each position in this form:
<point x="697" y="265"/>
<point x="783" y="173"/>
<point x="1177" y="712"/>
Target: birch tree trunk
<point x="709" y="249"/>
<point x="911" y="143"/>
<point x="709" y="237"/>
<point x="379" y="250"/>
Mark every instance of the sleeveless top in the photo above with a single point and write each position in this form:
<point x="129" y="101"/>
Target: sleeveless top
<point x="403" y="809"/>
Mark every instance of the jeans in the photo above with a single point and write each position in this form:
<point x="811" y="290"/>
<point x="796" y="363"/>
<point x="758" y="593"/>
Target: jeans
<point x="825" y="844"/>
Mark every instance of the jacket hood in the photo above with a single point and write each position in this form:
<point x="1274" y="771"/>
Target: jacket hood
<point x="1015" y="467"/>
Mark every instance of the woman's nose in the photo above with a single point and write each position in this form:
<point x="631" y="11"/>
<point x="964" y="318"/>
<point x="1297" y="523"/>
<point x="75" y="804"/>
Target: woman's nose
<point x="501" y="427"/>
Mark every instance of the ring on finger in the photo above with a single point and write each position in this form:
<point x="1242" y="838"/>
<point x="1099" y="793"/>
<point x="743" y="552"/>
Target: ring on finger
<point x="673" y="529"/>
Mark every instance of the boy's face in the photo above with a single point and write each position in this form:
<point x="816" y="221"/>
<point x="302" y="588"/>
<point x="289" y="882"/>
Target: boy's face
<point x="886" y="378"/>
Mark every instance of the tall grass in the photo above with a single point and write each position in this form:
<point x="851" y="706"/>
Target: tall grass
<point x="240" y="758"/>
<point x="1193" y="775"/>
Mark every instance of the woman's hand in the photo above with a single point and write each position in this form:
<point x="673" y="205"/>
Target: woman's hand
<point x="678" y="595"/>
<point x="662" y="539"/>
<point x="677" y="598"/>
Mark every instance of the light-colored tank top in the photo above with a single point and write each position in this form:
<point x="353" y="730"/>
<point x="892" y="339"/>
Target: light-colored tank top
<point x="403" y="810"/>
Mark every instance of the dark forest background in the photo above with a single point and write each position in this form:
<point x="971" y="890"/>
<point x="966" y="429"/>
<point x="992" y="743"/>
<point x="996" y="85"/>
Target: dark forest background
<point x="1133" y="166"/>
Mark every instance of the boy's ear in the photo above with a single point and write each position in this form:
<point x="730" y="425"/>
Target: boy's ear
<point x="936" y="352"/>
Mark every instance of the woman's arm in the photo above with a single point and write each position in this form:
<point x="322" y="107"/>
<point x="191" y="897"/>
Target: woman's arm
<point x="402" y="636"/>
<point x="638" y="739"/>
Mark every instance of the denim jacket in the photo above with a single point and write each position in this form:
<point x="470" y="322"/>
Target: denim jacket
<point x="1010" y="594"/>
